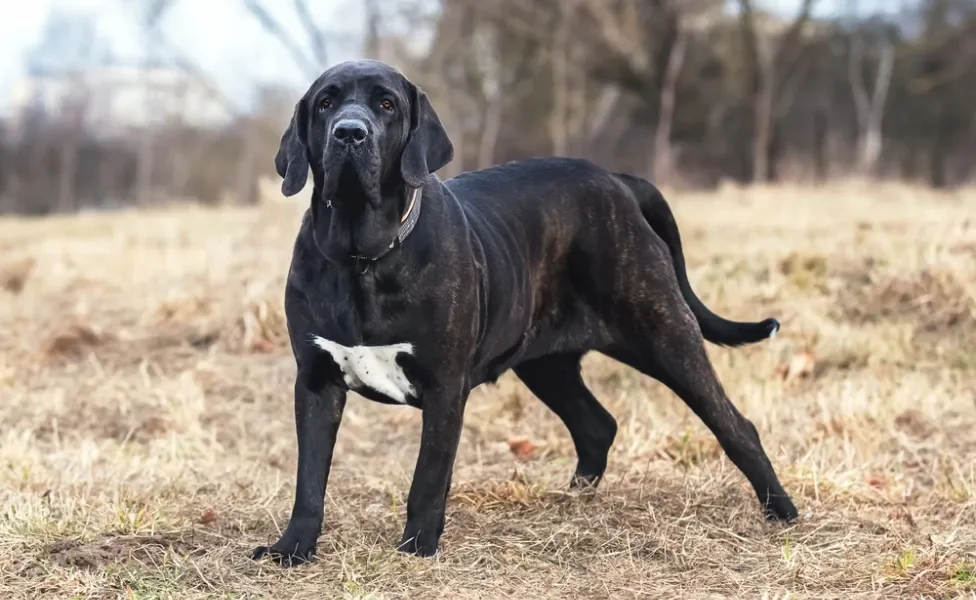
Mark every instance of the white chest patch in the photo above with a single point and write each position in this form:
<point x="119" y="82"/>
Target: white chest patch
<point x="373" y="367"/>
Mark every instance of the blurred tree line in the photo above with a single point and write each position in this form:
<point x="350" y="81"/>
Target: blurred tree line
<point x="686" y="92"/>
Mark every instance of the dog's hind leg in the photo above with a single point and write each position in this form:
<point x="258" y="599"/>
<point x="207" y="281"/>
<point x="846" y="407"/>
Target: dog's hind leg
<point x="556" y="380"/>
<point x="667" y="344"/>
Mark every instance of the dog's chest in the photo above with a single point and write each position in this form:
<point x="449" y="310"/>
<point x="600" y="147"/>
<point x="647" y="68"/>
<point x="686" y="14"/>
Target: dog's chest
<point x="372" y="367"/>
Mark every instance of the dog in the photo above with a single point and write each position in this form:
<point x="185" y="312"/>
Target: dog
<point x="411" y="290"/>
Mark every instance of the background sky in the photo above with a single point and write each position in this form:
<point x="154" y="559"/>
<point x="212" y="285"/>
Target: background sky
<point x="221" y="37"/>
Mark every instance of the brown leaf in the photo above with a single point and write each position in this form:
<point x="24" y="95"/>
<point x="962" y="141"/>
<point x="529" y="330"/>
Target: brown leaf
<point x="522" y="448"/>
<point x="13" y="276"/>
<point x="154" y="426"/>
<point x="914" y="423"/>
<point x="73" y="339"/>
<point x="264" y="346"/>
<point x="803" y="364"/>
<point x="208" y="517"/>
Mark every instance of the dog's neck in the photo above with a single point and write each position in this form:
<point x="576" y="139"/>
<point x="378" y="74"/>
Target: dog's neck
<point x="359" y="233"/>
<point x="408" y="220"/>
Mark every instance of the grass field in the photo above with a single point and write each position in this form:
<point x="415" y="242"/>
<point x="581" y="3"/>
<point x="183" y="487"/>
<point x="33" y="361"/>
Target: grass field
<point x="147" y="442"/>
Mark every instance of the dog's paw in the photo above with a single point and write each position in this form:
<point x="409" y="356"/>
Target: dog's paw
<point x="584" y="482"/>
<point x="420" y="543"/>
<point x="284" y="558"/>
<point x="296" y="545"/>
<point x="780" y="508"/>
<point x="285" y="554"/>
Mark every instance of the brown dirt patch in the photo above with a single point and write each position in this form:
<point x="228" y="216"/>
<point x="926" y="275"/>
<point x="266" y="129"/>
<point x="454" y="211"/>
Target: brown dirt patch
<point x="144" y="549"/>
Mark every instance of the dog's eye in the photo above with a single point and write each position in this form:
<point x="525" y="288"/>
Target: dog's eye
<point x="386" y="105"/>
<point x="325" y="104"/>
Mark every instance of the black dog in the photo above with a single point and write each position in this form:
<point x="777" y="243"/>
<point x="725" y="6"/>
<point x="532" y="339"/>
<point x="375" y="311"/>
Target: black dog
<point x="410" y="290"/>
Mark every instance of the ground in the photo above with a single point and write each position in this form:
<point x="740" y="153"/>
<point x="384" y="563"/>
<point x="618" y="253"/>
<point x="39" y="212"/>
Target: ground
<point x="147" y="441"/>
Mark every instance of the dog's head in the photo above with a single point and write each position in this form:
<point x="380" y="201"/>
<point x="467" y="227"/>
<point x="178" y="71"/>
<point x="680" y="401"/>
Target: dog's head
<point x="363" y="128"/>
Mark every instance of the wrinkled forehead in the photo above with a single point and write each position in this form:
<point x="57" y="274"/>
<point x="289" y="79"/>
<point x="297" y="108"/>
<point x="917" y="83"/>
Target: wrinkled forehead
<point x="360" y="75"/>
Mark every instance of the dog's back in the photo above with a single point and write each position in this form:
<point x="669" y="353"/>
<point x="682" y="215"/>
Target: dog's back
<point x="551" y="207"/>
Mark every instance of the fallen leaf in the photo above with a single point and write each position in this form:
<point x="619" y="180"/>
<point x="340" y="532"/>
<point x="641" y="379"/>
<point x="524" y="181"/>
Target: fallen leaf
<point x="522" y="448"/>
<point x="72" y="340"/>
<point x="154" y="426"/>
<point x="264" y="345"/>
<point x="803" y="364"/>
<point x="13" y="276"/>
<point x="208" y="517"/>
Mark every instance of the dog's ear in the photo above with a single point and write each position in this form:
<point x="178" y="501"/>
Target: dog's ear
<point x="428" y="146"/>
<point x="291" y="161"/>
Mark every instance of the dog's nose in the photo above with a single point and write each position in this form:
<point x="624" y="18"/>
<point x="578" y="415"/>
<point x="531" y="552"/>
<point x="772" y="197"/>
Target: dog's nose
<point x="350" y="131"/>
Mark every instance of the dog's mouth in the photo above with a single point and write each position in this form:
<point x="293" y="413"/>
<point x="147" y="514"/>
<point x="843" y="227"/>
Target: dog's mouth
<point x="349" y="183"/>
<point x="351" y="176"/>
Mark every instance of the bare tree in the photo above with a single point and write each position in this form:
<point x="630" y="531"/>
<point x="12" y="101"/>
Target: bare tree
<point x="560" y="57"/>
<point x="581" y="105"/>
<point x="69" y="45"/>
<point x="768" y="63"/>
<point x="372" y="46"/>
<point x="620" y="34"/>
<point x="663" y="153"/>
<point x="494" y="83"/>
<point x="311" y="60"/>
<point x="655" y="60"/>
<point x="71" y="133"/>
<point x="870" y="105"/>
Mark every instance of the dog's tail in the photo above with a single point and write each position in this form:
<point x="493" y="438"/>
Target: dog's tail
<point x="713" y="327"/>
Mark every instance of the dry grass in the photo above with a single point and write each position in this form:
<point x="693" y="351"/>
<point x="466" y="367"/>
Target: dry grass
<point x="147" y="442"/>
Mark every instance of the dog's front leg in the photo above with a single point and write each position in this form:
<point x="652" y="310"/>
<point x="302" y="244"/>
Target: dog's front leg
<point x="318" y="412"/>
<point x="427" y="504"/>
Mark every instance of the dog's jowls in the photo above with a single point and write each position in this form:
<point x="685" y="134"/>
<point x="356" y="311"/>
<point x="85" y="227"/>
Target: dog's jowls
<point x="416" y="299"/>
